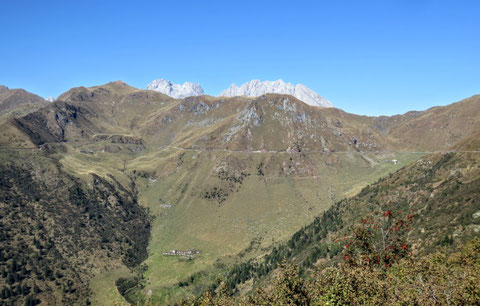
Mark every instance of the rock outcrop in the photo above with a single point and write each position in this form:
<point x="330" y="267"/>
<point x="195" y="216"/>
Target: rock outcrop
<point x="257" y="88"/>
<point x="176" y="91"/>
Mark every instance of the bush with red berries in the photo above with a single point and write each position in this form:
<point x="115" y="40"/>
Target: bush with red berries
<point x="379" y="240"/>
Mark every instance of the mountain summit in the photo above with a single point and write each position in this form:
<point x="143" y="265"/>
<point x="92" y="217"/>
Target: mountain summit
<point x="257" y="88"/>
<point x="177" y="91"/>
<point x="14" y="98"/>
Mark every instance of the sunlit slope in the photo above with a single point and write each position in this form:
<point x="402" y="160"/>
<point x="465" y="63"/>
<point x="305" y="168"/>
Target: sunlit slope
<point x="17" y="102"/>
<point x="438" y="128"/>
<point x="217" y="173"/>
<point x="219" y="201"/>
<point x="270" y="122"/>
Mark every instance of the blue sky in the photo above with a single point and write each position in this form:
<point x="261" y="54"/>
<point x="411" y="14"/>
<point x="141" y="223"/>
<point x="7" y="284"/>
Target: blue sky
<point x="366" y="57"/>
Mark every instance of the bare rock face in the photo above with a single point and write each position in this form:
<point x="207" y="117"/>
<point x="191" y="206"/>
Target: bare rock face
<point x="257" y="88"/>
<point x="177" y="91"/>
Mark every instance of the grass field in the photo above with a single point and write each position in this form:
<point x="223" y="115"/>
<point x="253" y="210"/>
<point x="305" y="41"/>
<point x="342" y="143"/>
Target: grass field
<point x="104" y="290"/>
<point x="266" y="208"/>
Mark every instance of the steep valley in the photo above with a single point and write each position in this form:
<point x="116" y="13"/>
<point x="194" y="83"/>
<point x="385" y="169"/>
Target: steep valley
<point x="433" y="204"/>
<point x="214" y="174"/>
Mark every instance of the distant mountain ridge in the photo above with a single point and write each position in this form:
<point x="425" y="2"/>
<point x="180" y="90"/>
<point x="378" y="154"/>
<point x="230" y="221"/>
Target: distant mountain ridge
<point x="177" y="91"/>
<point x="257" y="88"/>
<point x="254" y="88"/>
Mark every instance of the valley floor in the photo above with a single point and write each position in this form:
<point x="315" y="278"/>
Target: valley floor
<point x="266" y="208"/>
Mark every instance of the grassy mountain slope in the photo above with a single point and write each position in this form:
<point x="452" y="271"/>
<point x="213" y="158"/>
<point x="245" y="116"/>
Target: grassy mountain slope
<point x="218" y="174"/>
<point x="17" y="102"/>
<point x="440" y="191"/>
<point x="438" y="128"/>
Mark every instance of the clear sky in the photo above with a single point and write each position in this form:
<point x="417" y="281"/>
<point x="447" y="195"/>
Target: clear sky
<point x="366" y="57"/>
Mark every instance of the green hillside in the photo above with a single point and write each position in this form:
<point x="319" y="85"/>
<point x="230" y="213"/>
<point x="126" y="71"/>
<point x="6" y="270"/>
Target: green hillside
<point x="234" y="178"/>
<point x="438" y="196"/>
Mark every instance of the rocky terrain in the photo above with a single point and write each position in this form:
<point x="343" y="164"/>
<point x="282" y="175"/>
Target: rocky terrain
<point x="177" y="91"/>
<point x="256" y="88"/>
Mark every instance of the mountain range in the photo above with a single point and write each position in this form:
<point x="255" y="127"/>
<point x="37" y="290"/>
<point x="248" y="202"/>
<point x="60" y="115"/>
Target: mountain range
<point x="257" y="88"/>
<point x="177" y="91"/>
<point x="254" y="88"/>
<point x="99" y="184"/>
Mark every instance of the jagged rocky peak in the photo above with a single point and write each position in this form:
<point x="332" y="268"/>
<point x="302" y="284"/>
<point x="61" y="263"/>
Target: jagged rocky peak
<point x="257" y="88"/>
<point x="177" y="91"/>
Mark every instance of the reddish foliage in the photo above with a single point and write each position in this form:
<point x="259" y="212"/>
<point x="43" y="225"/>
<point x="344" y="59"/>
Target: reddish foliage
<point x="382" y="240"/>
<point x="388" y="214"/>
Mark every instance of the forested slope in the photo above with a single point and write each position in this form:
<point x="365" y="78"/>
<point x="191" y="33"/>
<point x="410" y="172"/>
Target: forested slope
<point x="57" y="231"/>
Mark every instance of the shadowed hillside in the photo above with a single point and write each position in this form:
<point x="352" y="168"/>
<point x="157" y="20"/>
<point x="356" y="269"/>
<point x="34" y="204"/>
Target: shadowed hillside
<point x="58" y="231"/>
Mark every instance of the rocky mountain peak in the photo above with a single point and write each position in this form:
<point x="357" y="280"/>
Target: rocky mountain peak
<point x="257" y="88"/>
<point x="177" y="91"/>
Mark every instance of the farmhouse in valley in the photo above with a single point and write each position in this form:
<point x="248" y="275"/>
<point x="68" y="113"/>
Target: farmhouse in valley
<point x="182" y="253"/>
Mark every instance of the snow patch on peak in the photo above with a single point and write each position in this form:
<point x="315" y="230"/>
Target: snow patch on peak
<point x="257" y="88"/>
<point x="177" y="91"/>
<point x="50" y="99"/>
